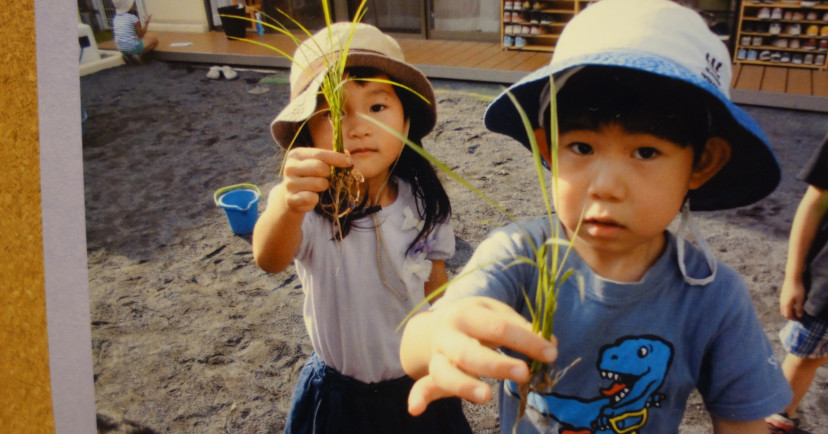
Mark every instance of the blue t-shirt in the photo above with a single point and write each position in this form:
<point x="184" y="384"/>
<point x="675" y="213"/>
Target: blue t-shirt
<point x="123" y="30"/>
<point x="644" y="346"/>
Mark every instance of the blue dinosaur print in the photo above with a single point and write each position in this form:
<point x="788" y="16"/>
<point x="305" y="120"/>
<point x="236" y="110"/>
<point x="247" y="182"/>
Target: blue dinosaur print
<point x="636" y="366"/>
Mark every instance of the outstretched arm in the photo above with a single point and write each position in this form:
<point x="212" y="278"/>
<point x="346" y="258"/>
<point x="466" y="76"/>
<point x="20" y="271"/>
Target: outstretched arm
<point x="449" y="347"/>
<point x="277" y="234"/>
<point x="804" y="228"/>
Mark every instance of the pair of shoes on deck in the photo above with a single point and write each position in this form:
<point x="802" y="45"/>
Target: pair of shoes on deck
<point x="216" y="72"/>
<point x="781" y="423"/>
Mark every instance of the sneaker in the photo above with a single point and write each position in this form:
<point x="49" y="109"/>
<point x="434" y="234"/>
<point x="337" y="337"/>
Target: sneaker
<point x="746" y="41"/>
<point x="788" y="15"/>
<point x="527" y="5"/>
<point x="819" y="60"/>
<point x="525" y="30"/>
<point x="808" y="3"/>
<point x="794" y="29"/>
<point x="775" y="29"/>
<point x="809" y="59"/>
<point x="764" y="14"/>
<point x="757" y="41"/>
<point x="229" y="72"/>
<point x="780" y="43"/>
<point x="546" y="19"/>
<point x="765" y="55"/>
<point x="823" y="45"/>
<point x="780" y="423"/>
<point x="786" y="57"/>
<point x="810" y="44"/>
<point x="812" y="16"/>
<point x="823" y="31"/>
<point x="520" y="42"/>
<point x="742" y="54"/>
<point x="812" y="30"/>
<point x="507" y="16"/>
<point x="798" y="16"/>
<point x="214" y="73"/>
<point x="752" y="55"/>
<point x="797" y="59"/>
<point x="508" y="5"/>
<point x="794" y="44"/>
<point x="508" y="41"/>
<point x="776" y="56"/>
<point x="776" y="14"/>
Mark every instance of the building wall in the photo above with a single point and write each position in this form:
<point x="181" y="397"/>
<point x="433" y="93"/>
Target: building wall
<point x="177" y="16"/>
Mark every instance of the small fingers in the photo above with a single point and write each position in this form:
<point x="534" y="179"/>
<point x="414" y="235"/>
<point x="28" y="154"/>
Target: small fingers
<point x="446" y="380"/>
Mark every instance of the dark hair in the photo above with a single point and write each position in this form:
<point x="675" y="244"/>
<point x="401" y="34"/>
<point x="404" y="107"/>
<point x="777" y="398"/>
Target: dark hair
<point x="639" y="102"/>
<point x="432" y="201"/>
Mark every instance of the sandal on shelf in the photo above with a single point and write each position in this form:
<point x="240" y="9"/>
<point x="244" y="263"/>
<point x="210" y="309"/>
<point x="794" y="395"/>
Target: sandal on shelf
<point x="214" y="73"/>
<point x="229" y="73"/>
<point x="780" y="423"/>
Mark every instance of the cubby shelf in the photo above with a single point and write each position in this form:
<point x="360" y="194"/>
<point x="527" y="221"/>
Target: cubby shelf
<point x="536" y="25"/>
<point x="790" y="33"/>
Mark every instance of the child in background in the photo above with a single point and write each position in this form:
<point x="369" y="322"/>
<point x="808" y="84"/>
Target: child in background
<point x="129" y="32"/>
<point x="804" y="296"/>
<point x="360" y="282"/>
<point x="646" y="129"/>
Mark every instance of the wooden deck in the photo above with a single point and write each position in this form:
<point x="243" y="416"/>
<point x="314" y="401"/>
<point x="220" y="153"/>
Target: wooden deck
<point x="781" y="87"/>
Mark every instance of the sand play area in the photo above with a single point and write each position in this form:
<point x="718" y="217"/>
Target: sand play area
<point x="190" y="336"/>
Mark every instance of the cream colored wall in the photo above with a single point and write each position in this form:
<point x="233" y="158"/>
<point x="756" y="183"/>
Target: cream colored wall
<point x="177" y="16"/>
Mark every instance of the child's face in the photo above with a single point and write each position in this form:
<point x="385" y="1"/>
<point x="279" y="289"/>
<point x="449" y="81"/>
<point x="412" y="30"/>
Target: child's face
<point x="372" y="149"/>
<point x="628" y="186"/>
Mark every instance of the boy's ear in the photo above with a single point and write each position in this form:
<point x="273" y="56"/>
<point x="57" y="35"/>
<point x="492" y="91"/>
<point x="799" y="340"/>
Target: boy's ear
<point x="543" y="145"/>
<point x="715" y="155"/>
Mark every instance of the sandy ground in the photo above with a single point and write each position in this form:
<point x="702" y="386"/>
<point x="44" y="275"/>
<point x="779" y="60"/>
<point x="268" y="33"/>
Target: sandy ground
<point x="189" y="335"/>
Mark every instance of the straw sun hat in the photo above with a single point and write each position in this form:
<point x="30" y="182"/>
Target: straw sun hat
<point x="368" y="47"/>
<point x="658" y="37"/>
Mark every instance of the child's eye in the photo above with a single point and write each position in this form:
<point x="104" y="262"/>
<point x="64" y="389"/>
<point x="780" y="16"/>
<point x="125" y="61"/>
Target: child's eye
<point x="646" y="153"/>
<point x="580" y="148"/>
<point x="376" y="108"/>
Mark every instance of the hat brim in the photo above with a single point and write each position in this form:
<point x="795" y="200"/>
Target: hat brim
<point x="752" y="172"/>
<point x="300" y="108"/>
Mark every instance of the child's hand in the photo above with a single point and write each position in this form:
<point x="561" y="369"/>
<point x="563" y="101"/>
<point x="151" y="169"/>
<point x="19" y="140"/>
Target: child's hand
<point x="306" y="175"/>
<point x="792" y="299"/>
<point x="451" y="346"/>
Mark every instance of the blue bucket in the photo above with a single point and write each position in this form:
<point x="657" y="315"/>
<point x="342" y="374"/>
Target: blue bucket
<point x="240" y="203"/>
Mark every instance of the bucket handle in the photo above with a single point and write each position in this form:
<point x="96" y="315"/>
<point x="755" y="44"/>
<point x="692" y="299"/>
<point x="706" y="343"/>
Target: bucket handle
<point x="223" y="190"/>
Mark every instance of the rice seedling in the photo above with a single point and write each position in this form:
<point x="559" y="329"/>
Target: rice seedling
<point x="547" y="258"/>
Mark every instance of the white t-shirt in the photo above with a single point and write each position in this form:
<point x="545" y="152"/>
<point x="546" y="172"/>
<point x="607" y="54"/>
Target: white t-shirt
<point x="350" y="314"/>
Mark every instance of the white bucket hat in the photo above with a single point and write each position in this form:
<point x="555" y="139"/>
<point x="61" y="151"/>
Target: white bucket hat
<point x="368" y="47"/>
<point x="663" y="38"/>
<point x="123" y="6"/>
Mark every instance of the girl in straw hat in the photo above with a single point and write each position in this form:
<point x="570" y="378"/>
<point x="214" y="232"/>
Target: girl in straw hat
<point x="388" y="254"/>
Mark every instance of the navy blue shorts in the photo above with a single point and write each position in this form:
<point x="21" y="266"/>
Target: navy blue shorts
<point x="325" y="401"/>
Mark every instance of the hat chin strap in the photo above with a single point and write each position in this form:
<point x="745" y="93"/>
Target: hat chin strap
<point x="687" y="222"/>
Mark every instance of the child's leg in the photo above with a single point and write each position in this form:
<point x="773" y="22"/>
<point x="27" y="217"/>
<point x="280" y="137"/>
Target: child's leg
<point x="150" y="42"/>
<point x="800" y="373"/>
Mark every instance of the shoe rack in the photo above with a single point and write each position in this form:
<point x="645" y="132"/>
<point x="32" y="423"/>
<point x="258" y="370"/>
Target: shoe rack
<point x="789" y="33"/>
<point x="535" y="25"/>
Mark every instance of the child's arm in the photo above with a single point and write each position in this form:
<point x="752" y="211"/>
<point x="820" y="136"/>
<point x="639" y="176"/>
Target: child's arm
<point x="436" y="278"/>
<point x="449" y="347"/>
<point x="140" y="30"/>
<point x="277" y="234"/>
<point x="721" y="426"/>
<point x="804" y="228"/>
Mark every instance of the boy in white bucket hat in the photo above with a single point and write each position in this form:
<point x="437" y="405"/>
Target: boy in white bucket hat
<point x="388" y="252"/>
<point x="646" y="129"/>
